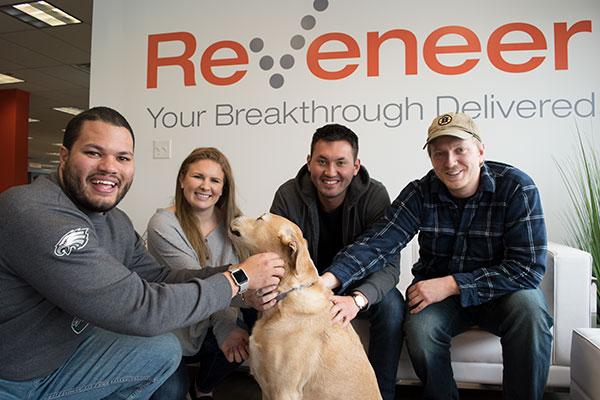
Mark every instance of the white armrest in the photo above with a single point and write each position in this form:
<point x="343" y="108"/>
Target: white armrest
<point x="567" y="286"/>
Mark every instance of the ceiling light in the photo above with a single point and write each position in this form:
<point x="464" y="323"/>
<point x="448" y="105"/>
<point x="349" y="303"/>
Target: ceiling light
<point x="69" y="110"/>
<point x="9" y="79"/>
<point x="29" y="137"/>
<point x="53" y="154"/>
<point x="57" y="144"/>
<point x="39" y="14"/>
<point x="33" y="120"/>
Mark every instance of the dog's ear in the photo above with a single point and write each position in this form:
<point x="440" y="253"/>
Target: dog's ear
<point x="299" y="255"/>
<point x="286" y="236"/>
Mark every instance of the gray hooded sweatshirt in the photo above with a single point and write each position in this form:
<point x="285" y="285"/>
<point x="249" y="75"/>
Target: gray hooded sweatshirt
<point x="64" y="270"/>
<point x="366" y="201"/>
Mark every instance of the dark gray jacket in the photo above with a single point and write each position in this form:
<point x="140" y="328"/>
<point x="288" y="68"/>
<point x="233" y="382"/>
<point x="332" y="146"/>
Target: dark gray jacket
<point x="64" y="271"/>
<point x="366" y="201"/>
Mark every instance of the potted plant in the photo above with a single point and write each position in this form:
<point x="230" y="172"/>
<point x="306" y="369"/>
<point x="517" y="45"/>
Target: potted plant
<point x="581" y="176"/>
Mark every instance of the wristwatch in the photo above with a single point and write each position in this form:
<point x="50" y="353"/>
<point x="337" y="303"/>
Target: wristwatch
<point x="240" y="279"/>
<point x="359" y="300"/>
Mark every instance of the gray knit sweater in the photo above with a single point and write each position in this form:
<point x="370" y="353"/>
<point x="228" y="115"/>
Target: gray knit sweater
<point x="170" y="246"/>
<point x="64" y="271"/>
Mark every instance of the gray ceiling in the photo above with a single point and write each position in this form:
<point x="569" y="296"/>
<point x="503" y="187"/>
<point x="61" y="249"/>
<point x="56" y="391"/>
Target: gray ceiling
<point x="54" y="62"/>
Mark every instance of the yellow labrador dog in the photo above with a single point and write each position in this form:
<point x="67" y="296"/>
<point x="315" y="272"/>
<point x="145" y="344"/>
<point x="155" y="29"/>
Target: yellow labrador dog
<point x="295" y="350"/>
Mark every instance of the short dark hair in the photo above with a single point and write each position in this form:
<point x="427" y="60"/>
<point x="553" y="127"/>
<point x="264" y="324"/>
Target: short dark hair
<point x="104" y="114"/>
<point x="334" y="133"/>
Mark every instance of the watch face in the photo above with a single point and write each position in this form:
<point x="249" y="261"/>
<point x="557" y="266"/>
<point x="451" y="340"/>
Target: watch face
<point x="360" y="301"/>
<point x="240" y="276"/>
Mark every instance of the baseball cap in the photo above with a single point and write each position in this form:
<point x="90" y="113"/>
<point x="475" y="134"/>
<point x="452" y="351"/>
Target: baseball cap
<point x="459" y="125"/>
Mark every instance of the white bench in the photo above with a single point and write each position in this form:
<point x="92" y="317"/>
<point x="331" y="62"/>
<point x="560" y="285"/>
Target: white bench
<point x="477" y="355"/>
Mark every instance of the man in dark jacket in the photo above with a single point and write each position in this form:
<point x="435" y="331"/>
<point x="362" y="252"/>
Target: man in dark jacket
<point x="333" y="200"/>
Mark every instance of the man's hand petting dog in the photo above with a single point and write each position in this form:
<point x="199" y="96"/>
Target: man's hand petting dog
<point x="343" y="310"/>
<point x="262" y="299"/>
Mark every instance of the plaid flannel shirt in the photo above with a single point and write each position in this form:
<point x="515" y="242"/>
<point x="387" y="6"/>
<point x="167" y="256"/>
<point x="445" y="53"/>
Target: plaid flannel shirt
<point x="497" y="246"/>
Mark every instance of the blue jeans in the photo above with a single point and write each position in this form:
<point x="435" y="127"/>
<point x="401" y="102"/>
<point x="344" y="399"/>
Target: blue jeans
<point x="385" y="341"/>
<point x="520" y="319"/>
<point x="213" y="368"/>
<point x="106" y="365"/>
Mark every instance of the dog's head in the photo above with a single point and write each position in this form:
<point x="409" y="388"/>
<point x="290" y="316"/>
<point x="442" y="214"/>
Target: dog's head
<point x="272" y="233"/>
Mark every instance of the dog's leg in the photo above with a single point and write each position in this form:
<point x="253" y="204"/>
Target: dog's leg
<point x="285" y="395"/>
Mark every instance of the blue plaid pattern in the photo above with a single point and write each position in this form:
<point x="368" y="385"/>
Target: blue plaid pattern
<point x="497" y="246"/>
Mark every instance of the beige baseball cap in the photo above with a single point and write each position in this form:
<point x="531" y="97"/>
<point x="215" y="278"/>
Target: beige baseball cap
<point x="459" y="125"/>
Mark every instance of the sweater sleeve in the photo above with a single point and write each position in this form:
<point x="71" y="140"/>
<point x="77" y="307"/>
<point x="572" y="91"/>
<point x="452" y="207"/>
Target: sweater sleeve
<point x="87" y="280"/>
<point x="223" y="322"/>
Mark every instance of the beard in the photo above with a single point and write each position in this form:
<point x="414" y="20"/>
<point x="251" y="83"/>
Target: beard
<point x="74" y="187"/>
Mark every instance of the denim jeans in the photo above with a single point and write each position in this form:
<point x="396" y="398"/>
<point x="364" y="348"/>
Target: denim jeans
<point x="106" y="365"/>
<point x="385" y="341"/>
<point x="213" y="368"/>
<point x="520" y="319"/>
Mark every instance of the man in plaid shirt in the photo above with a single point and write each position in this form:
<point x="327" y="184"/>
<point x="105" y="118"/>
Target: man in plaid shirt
<point x="482" y="245"/>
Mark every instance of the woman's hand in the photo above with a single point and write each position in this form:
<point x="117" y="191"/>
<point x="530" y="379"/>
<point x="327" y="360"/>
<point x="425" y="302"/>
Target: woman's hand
<point x="261" y="299"/>
<point x="235" y="346"/>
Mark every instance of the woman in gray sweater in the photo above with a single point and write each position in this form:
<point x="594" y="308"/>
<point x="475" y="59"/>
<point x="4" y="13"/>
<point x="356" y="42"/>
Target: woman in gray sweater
<point x="193" y="234"/>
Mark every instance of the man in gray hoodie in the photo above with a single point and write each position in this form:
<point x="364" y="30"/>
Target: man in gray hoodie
<point x="333" y="200"/>
<point x="84" y="310"/>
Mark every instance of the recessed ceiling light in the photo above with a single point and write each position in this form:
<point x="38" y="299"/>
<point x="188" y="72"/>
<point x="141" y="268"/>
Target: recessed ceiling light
<point x="39" y="14"/>
<point x="53" y="154"/>
<point x="9" y="79"/>
<point x="33" y="120"/>
<point x="29" y="137"/>
<point x="57" y="144"/>
<point x="69" y="110"/>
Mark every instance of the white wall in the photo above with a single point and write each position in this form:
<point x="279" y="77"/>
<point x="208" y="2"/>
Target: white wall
<point x="265" y="154"/>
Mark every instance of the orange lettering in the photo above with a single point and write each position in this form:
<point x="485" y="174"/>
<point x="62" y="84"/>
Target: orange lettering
<point x="431" y="50"/>
<point x="208" y="62"/>
<point x="561" y="41"/>
<point x="182" y="60"/>
<point x="495" y="47"/>
<point x="313" y="55"/>
<point x="374" y="42"/>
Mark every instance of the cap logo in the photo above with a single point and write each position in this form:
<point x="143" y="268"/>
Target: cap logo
<point x="445" y="119"/>
<point x="75" y="239"/>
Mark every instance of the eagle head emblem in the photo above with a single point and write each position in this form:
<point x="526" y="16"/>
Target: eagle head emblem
<point x="75" y="239"/>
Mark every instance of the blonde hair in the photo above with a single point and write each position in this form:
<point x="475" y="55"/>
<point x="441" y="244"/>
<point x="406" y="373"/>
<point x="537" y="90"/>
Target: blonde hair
<point x="226" y="203"/>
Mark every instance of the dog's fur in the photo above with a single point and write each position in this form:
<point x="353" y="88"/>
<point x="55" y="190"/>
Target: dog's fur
<point x="296" y="352"/>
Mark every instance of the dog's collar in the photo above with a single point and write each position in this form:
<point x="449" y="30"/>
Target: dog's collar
<point x="282" y="295"/>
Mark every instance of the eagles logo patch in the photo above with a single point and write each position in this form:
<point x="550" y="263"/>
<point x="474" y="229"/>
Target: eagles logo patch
<point x="75" y="239"/>
<point x="78" y="325"/>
